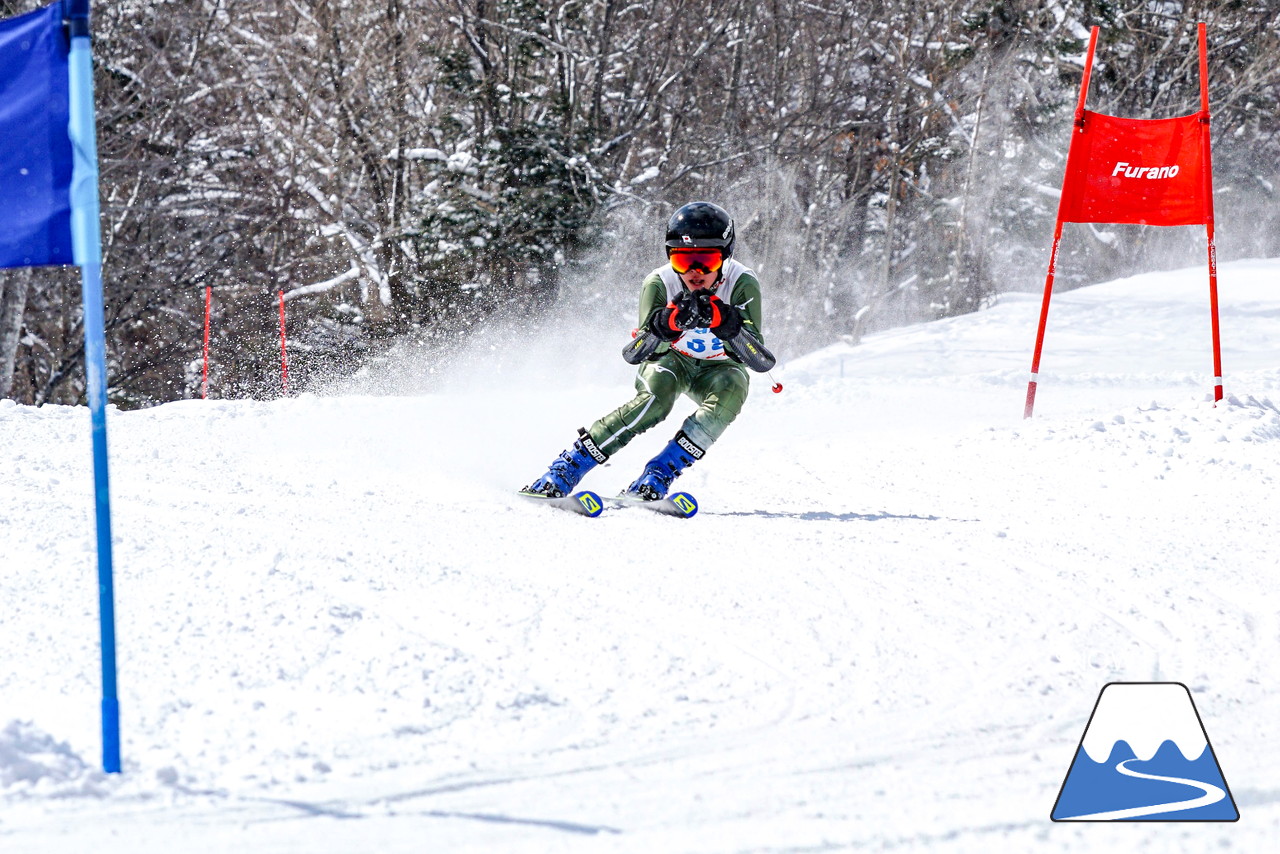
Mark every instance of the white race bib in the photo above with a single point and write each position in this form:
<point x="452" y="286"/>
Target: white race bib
<point x="700" y="344"/>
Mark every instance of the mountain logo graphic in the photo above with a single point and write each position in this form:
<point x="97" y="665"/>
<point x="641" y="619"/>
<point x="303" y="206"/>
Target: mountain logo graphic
<point x="1145" y="756"/>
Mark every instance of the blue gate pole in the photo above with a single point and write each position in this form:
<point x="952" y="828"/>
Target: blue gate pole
<point x="87" y="250"/>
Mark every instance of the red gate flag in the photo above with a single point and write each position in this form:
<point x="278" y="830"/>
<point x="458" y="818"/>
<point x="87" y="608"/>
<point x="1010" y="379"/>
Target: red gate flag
<point x="1145" y="171"/>
<point x="1138" y="171"/>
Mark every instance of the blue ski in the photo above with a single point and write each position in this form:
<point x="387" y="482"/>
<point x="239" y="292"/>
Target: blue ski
<point x="584" y="503"/>
<point x="680" y="504"/>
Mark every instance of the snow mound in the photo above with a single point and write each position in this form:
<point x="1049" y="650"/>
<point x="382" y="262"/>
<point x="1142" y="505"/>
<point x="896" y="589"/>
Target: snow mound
<point x="33" y="762"/>
<point x="1261" y="416"/>
<point x="1200" y="423"/>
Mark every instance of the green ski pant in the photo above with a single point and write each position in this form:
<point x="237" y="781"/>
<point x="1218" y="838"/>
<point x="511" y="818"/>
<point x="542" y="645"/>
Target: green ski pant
<point x="719" y="388"/>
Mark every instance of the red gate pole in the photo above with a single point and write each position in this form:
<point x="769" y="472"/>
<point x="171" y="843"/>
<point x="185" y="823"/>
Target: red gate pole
<point x="1044" y="319"/>
<point x="204" y="378"/>
<point x="1208" y="216"/>
<point x="284" y="353"/>
<point x="1057" y="235"/>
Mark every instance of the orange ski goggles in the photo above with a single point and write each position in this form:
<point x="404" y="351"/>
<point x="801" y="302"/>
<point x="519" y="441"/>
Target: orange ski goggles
<point x="684" y="260"/>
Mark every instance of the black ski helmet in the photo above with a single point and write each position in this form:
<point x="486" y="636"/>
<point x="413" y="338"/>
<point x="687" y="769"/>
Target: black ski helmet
<point x="700" y="225"/>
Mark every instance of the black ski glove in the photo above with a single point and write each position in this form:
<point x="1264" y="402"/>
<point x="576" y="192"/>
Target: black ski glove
<point x="726" y="319"/>
<point x="671" y="321"/>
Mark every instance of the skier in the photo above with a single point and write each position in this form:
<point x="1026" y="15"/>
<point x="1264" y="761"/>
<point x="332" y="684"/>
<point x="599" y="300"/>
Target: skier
<point x="699" y="325"/>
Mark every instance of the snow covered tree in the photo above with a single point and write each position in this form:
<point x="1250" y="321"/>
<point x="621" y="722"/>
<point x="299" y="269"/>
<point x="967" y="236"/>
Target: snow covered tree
<point x="416" y="167"/>
<point x="513" y="201"/>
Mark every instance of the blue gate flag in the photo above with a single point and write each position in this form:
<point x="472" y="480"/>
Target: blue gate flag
<point x="35" y="150"/>
<point x="87" y="248"/>
<point x="49" y="215"/>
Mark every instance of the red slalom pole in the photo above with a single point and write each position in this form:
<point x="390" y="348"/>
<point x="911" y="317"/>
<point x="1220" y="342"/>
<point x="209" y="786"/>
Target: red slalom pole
<point x="1044" y="320"/>
<point x="1208" y="216"/>
<point x="1057" y="231"/>
<point x="284" y="351"/>
<point x="204" y="378"/>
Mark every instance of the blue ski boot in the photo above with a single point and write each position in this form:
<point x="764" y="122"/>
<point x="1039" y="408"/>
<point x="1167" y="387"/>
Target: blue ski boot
<point x="659" y="472"/>
<point x="567" y="469"/>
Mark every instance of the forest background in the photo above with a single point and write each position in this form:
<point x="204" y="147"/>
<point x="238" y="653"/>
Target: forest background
<point x="408" y="173"/>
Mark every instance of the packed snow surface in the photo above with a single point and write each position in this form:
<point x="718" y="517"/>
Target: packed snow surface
<point x="340" y="630"/>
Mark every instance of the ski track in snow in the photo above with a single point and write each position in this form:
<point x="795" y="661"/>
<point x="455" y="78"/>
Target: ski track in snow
<point x="340" y="630"/>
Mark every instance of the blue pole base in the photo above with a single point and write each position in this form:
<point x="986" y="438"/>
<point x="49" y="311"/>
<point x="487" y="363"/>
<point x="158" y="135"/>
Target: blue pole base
<point x="111" y="736"/>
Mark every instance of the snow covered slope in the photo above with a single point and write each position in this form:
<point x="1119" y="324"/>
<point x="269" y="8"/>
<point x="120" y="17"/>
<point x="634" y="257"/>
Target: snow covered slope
<point x="340" y="630"/>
